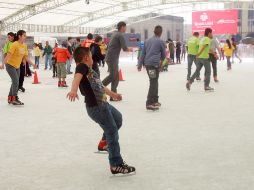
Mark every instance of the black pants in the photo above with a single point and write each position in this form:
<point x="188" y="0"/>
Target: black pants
<point x="213" y="60"/>
<point x="153" y="74"/>
<point x="28" y="72"/>
<point x="22" y="75"/>
<point x="113" y="76"/>
<point x="54" y="69"/>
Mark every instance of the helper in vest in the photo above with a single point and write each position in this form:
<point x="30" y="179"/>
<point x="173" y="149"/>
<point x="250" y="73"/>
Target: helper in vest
<point x="193" y="46"/>
<point x="87" y="43"/>
<point x="203" y="60"/>
<point x="96" y="54"/>
<point x="48" y="53"/>
<point x="7" y="45"/>
<point x="17" y="55"/>
<point x="62" y="55"/>
<point x="70" y="49"/>
<point x="116" y="44"/>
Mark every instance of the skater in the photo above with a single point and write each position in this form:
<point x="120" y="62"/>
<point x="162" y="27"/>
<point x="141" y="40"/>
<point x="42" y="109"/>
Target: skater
<point x="24" y="69"/>
<point x="193" y="46"/>
<point x="54" y="61"/>
<point x="183" y="52"/>
<point x="228" y="50"/>
<point x="215" y="47"/>
<point x="89" y="41"/>
<point x="108" y="117"/>
<point x="8" y="43"/>
<point x="112" y="58"/>
<point x="69" y="61"/>
<point x="17" y="54"/>
<point x="62" y="55"/>
<point x="96" y="54"/>
<point x="235" y="52"/>
<point x="178" y="52"/>
<point x="171" y="47"/>
<point x="48" y="56"/>
<point x="103" y="47"/>
<point x="153" y="54"/>
<point x="203" y="60"/>
<point x="37" y="55"/>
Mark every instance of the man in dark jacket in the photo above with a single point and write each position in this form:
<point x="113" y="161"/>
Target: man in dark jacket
<point x="96" y="53"/>
<point x="70" y="49"/>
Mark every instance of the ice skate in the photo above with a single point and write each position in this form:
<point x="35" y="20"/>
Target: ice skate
<point x="123" y="170"/>
<point x="209" y="89"/>
<point x="102" y="147"/>
<point x="16" y="102"/>
<point x="152" y="107"/>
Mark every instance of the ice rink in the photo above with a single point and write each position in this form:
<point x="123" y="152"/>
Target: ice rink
<point x="196" y="141"/>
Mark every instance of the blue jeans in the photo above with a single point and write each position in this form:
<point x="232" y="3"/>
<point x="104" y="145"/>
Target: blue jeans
<point x="37" y="61"/>
<point x="48" y="61"/>
<point x="110" y="120"/>
<point x="68" y="65"/>
<point x="14" y="74"/>
<point x="191" y="59"/>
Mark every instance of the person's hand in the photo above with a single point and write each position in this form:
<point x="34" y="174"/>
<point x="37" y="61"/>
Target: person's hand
<point x="130" y="49"/>
<point x="72" y="96"/>
<point x="34" y="66"/>
<point x="139" y="68"/>
<point x="2" y="66"/>
<point x="117" y="97"/>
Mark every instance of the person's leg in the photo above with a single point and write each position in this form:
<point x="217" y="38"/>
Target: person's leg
<point x="104" y="117"/>
<point x="14" y="75"/>
<point x="106" y="81"/>
<point x="228" y="62"/>
<point x="207" y="65"/>
<point x="199" y="66"/>
<point x="191" y="58"/>
<point x="50" y="61"/>
<point x="115" y="77"/>
<point x="46" y="62"/>
<point x="28" y="70"/>
<point x="22" y="76"/>
<point x="59" y="74"/>
<point x="152" y="96"/>
<point x="63" y="74"/>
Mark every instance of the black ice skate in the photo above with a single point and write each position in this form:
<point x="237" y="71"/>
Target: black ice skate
<point x="152" y="107"/>
<point x="188" y="85"/>
<point x="16" y="102"/>
<point x="123" y="169"/>
<point x="209" y="89"/>
<point x="22" y="89"/>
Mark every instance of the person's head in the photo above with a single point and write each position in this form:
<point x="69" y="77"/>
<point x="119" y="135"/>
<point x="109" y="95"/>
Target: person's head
<point x="196" y="34"/>
<point x="228" y="43"/>
<point x="20" y="36"/>
<point x="121" y="27"/>
<point x="98" y="40"/>
<point x="89" y="36"/>
<point x="56" y="44"/>
<point x="35" y="45"/>
<point x="47" y="43"/>
<point x="209" y="32"/>
<point x="64" y="44"/>
<point x="11" y="36"/>
<point x="78" y="40"/>
<point x="69" y="39"/>
<point x="158" y="31"/>
<point x="138" y="40"/>
<point x="83" y="55"/>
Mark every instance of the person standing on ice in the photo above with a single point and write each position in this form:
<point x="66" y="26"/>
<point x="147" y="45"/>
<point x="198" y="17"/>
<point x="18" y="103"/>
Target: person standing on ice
<point x="112" y="57"/>
<point x="98" y="109"/>
<point x="203" y="60"/>
<point x="153" y="53"/>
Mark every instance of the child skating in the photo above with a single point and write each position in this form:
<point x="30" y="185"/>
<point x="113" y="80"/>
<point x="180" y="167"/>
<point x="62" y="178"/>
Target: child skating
<point x="98" y="109"/>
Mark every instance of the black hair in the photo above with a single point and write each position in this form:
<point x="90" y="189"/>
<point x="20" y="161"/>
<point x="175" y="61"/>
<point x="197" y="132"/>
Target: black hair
<point x="120" y="25"/>
<point x="78" y="39"/>
<point x="207" y="31"/>
<point x="158" y="30"/>
<point x="98" y="39"/>
<point x="19" y="33"/>
<point x="80" y="53"/>
<point x="195" y="34"/>
<point x="138" y="39"/>
<point x="229" y="44"/>
<point x="69" y="38"/>
<point x="90" y="36"/>
<point x="11" y="34"/>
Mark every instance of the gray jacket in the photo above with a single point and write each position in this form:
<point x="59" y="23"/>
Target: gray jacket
<point x="153" y="52"/>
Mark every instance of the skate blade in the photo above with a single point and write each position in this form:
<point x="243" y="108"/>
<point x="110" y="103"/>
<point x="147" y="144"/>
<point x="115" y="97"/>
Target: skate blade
<point x="101" y="152"/>
<point x="123" y="175"/>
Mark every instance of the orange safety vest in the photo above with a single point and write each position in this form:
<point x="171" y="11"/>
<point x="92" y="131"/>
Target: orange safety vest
<point x="87" y="43"/>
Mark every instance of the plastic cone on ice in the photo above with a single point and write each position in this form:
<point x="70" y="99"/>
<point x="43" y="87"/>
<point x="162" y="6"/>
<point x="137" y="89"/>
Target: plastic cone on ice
<point x="36" y="80"/>
<point x="120" y="75"/>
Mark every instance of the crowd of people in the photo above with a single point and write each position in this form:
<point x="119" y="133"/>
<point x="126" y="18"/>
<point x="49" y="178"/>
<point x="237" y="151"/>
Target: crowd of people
<point x="154" y="55"/>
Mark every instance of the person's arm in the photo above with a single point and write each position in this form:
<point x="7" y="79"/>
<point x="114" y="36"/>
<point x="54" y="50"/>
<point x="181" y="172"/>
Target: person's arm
<point x="26" y="58"/>
<point x="113" y="95"/>
<point x="123" y="44"/>
<point x="202" y="49"/>
<point x="142" y="57"/>
<point x="44" y="52"/>
<point x="73" y="94"/>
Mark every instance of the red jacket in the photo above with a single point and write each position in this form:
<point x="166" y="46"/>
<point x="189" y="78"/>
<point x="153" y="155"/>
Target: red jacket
<point x="87" y="43"/>
<point x="62" y="54"/>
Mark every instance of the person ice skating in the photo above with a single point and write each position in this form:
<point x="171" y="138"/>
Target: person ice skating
<point x="8" y="43"/>
<point x="235" y="52"/>
<point x="228" y="51"/>
<point x="203" y="60"/>
<point x="89" y="41"/>
<point x="17" y="54"/>
<point x="96" y="54"/>
<point x="37" y="55"/>
<point x="48" y="53"/>
<point x="24" y="71"/>
<point x="178" y="52"/>
<point x="108" y="117"/>
<point x="62" y="55"/>
<point x="153" y="54"/>
<point x="103" y="47"/>
<point x="183" y="56"/>
<point x="54" y="61"/>
<point x="112" y="57"/>
<point x="171" y="47"/>
<point x="193" y="46"/>
<point x="215" y="47"/>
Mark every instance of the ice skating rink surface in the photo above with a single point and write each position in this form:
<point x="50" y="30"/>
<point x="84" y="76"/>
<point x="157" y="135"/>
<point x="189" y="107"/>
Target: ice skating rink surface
<point x="196" y="141"/>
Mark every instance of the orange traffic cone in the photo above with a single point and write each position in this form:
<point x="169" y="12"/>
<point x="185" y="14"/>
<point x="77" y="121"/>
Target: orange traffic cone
<point x="36" y="80"/>
<point x="120" y="75"/>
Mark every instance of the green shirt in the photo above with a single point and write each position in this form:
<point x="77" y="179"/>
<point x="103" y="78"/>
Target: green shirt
<point x="48" y="50"/>
<point x="193" y="44"/>
<point x="7" y="46"/>
<point x="204" y="41"/>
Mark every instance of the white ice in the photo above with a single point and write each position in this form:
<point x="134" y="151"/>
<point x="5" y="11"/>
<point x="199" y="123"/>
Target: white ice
<point x="197" y="141"/>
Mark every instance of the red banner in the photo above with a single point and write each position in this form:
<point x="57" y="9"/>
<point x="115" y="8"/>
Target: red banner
<point x="222" y="22"/>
